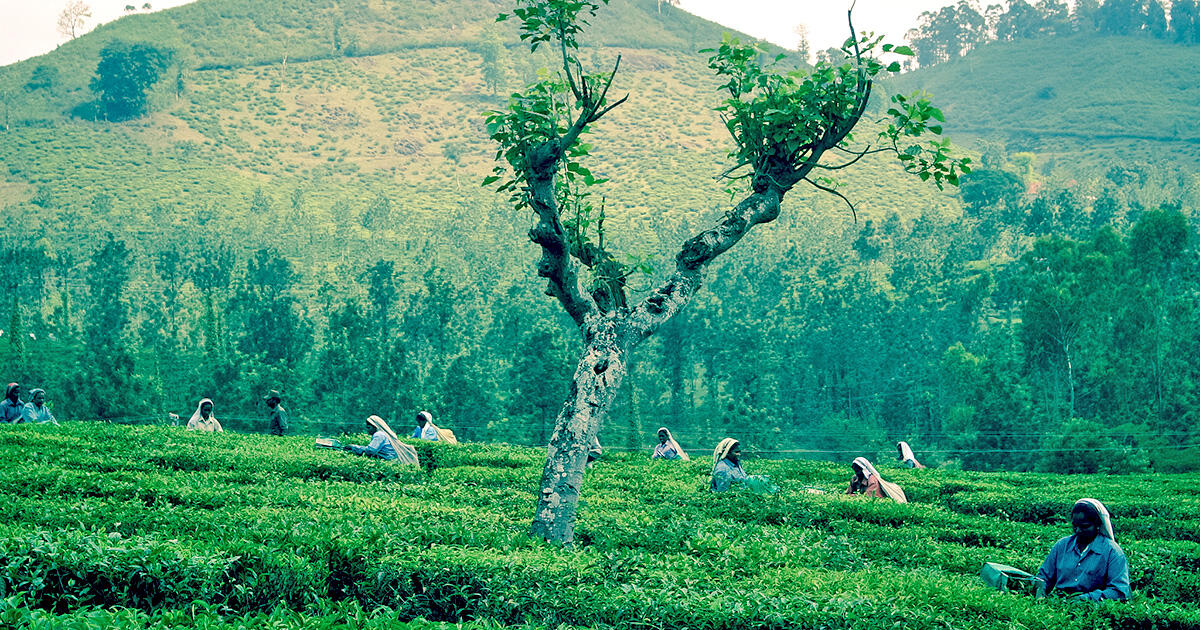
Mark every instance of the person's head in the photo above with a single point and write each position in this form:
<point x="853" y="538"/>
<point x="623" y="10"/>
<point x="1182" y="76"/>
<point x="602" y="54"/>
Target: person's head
<point x="272" y="398"/>
<point x="735" y="452"/>
<point x="860" y="471"/>
<point x="205" y="409"/>
<point x="424" y="417"/>
<point x="39" y="397"/>
<point x="1086" y="522"/>
<point x="900" y="449"/>
<point x="374" y="424"/>
<point x="12" y="392"/>
<point x="663" y="436"/>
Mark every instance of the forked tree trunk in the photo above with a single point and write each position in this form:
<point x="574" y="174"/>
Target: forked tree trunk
<point x="596" y="383"/>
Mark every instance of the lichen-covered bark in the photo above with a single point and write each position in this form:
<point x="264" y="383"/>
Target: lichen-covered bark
<point x="597" y="379"/>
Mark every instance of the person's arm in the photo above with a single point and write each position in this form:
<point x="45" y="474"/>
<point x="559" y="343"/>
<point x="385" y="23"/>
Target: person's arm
<point x="28" y="414"/>
<point x="1048" y="574"/>
<point x="218" y="423"/>
<point x="372" y="449"/>
<point x="1118" y="580"/>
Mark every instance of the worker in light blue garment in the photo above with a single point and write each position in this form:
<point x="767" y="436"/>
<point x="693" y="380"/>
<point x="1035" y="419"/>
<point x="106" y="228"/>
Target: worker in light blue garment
<point x="1089" y="564"/>
<point x="727" y="466"/>
<point x="667" y="447"/>
<point x="384" y="444"/>
<point x="35" y="410"/>
<point x="425" y="428"/>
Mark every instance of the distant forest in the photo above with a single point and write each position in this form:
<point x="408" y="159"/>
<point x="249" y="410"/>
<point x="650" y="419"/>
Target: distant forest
<point x="1057" y="323"/>
<point x="956" y="29"/>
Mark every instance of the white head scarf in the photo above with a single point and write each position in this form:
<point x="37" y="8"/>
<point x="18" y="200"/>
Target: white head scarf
<point x="866" y="467"/>
<point x="405" y="453"/>
<point x="197" y="421"/>
<point x="674" y="444"/>
<point x="906" y="452"/>
<point x="1105" y="521"/>
<point x="722" y="450"/>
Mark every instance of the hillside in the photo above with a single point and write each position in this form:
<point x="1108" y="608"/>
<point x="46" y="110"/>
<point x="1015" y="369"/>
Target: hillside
<point x="1085" y="100"/>
<point x="328" y="134"/>
<point x="199" y="530"/>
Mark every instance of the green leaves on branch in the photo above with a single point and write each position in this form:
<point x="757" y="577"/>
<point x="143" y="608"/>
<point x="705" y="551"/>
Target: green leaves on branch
<point x="914" y="116"/>
<point x="782" y="121"/>
<point x="561" y="20"/>
<point x="542" y="113"/>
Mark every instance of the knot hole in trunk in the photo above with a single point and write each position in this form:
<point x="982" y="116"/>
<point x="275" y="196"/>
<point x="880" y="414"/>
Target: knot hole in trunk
<point x="600" y="366"/>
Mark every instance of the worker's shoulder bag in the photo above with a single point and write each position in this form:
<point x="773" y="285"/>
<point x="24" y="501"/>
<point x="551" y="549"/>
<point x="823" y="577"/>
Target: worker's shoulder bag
<point x="446" y="436"/>
<point x="892" y="491"/>
<point x="1005" y="578"/>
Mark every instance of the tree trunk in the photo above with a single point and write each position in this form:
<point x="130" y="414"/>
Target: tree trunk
<point x="597" y="379"/>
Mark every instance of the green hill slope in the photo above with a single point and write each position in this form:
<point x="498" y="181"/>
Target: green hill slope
<point x="326" y="136"/>
<point x="204" y="528"/>
<point x="1089" y="99"/>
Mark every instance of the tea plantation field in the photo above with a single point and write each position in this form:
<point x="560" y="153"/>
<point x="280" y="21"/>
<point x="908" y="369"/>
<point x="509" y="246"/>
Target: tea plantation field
<point x="152" y="527"/>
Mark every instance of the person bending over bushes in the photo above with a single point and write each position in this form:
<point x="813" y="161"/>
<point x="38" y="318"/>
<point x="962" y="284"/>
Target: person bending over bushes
<point x="427" y="430"/>
<point x="727" y="470"/>
<point x="866" y="481"/>
<point x="906" y="456"/>
<point x="384" y="444"/>
<point x="1089" y="564"/>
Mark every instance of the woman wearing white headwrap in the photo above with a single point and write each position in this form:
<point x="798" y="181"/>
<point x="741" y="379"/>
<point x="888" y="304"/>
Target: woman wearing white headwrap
<point x="727" y="466"/>
<point x="384" y="444"/>
<point x="867" y="481"/>
<point x="1089" y="564"/>
<point x="906" y="455"/>
<point x="36" y="410"/>
<point x="203" y="419"/>
<point x="667" y="447"/>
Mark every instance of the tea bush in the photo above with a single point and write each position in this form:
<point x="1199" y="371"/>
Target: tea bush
<point x="152" y="527"/>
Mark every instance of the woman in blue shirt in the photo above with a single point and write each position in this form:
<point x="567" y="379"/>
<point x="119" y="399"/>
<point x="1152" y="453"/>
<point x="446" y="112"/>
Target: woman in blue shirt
<point x="1088" y="564"/>
<point x="384" y="444"/>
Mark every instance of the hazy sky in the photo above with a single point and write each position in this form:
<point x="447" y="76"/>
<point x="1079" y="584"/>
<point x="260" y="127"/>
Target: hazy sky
<point x="29" y="27"/>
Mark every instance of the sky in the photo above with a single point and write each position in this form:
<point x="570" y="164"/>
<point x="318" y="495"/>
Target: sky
<point x="29" y="27"/>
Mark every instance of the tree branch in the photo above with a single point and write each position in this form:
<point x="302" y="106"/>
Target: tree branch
<point x="555" y="264"/>
<point x="694" y="256"/>
<point x="831" y="190"/>
<point x="858" y="156"/>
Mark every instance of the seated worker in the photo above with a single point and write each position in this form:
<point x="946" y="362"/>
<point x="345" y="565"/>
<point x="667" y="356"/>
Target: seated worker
<point x="11" y="407"/>
<point x="1088" y="564"/>
<point x="202" y="418"/>
<point x="866" y="481"/>
<point x="36" y="410"/>
<point x="384" y="444"/>
<point x="906" y="455"/>
<point x="667" y="447"/>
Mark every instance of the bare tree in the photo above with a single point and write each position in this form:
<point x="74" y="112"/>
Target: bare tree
<point x="782" y="123"/>
<point x="71" y="20"/>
